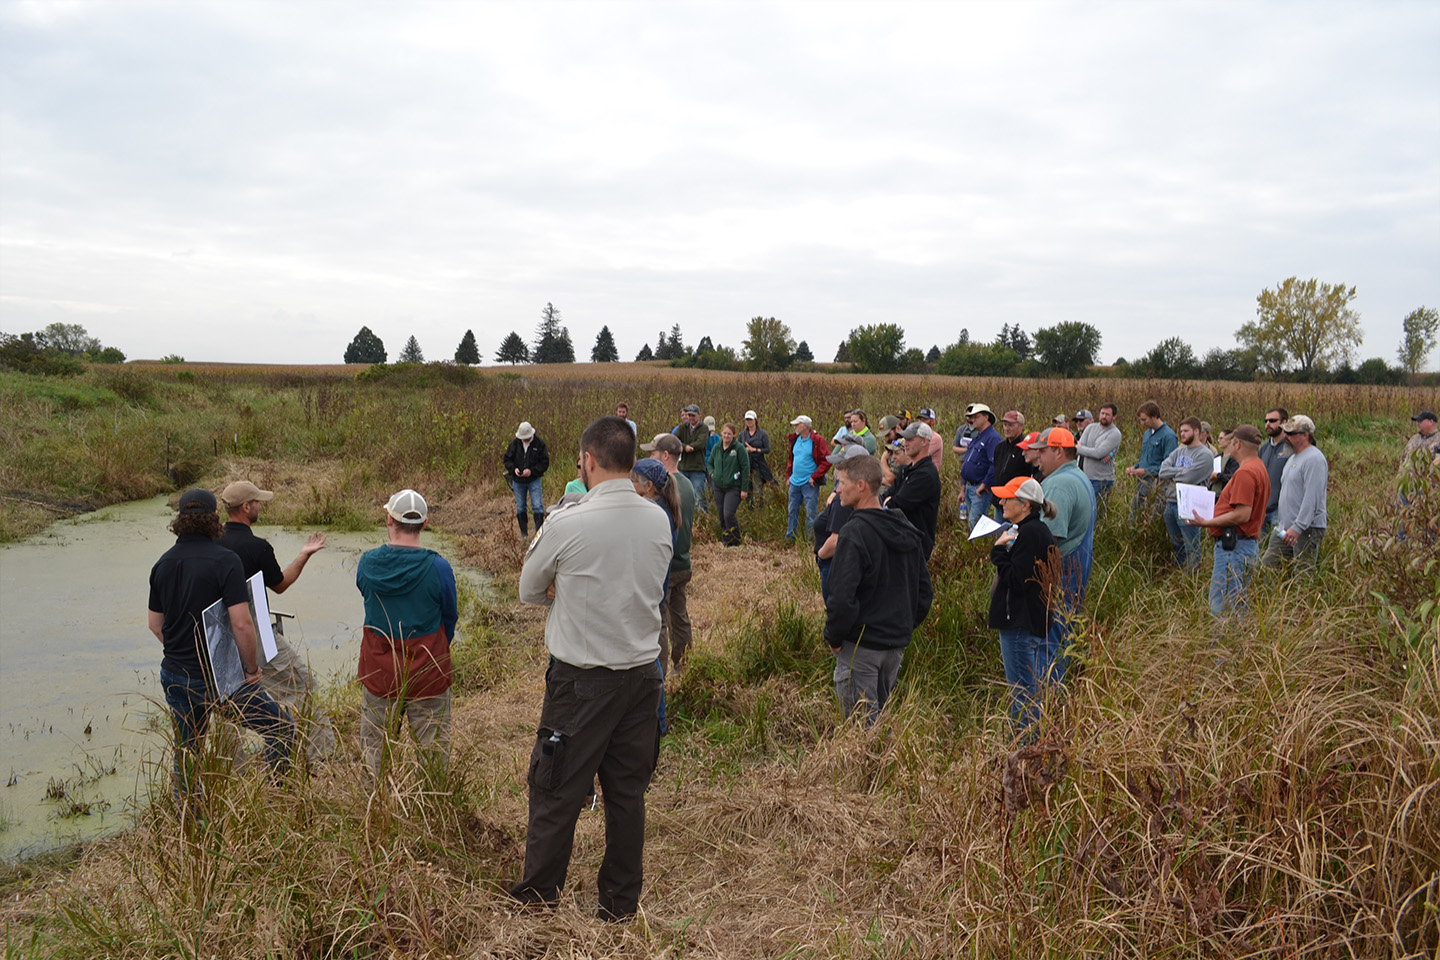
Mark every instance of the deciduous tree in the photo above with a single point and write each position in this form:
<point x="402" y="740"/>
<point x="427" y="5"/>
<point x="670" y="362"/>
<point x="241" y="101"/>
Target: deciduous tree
<point x="604" y="350"/>
<point x="877" y="348"/>
<point x="1066" y="348"/>
<point x="1171" y="358"/>
<point x="768" y="344"/>
<point x="1420" y="326"/>
<point x="467" y="352"/>
<point x="977" y="360"/>
<point x="1304" y="325"/>
<point x="365" y="348"/>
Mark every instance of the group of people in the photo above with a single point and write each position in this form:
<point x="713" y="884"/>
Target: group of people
<point x="613" y="565"/>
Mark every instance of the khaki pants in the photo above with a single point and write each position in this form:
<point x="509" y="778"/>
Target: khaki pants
<point x="287" y="679"/>
<point x="380" y="723"/>
<point x="1305" y="551"/>
<point x="675" y="621"/>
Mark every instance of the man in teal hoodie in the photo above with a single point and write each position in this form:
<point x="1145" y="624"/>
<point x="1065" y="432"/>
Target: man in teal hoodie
<point x="410" y="617"/>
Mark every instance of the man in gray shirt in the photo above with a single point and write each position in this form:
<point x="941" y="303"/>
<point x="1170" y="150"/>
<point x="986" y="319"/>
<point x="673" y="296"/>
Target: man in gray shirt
<point x="601" y="566"/>
<point x="1096" y="446"/>
<point x="1192" y="463"/>
<point x="1274" y="451"/>
<point x="1301" y="518"/>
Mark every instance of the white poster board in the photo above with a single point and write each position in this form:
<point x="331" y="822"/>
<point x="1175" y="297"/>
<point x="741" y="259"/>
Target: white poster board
<point x="1193" y="501"/>
<point x="260" y="613"/>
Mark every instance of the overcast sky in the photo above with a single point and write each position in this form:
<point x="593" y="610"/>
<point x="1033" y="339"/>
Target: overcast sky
<point x="251" y="181"/>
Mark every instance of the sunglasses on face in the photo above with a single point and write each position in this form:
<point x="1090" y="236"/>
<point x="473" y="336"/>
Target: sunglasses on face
<point x="1272" y="419"/>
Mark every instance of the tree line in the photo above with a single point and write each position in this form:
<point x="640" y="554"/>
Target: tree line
<point x="1303" y="330"/>
<point x="59" y="349"/>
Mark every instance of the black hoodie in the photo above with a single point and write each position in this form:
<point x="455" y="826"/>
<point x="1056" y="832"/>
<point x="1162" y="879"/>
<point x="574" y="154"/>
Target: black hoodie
<point x="1021" y="598"/>
<point x="879" y="583"/>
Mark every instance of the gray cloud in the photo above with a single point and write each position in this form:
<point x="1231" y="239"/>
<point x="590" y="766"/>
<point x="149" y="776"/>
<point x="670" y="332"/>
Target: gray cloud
<point x="171" y="169"/>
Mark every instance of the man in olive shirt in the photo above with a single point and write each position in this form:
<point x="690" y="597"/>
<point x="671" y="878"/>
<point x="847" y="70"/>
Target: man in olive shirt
<point x="674" y="613"/>
<point x="694" y="438"/>
<point x="600" y="565"/>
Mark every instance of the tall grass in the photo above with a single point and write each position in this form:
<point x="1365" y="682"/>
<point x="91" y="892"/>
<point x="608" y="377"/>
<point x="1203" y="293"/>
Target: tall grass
<point x="1274" y="792"/>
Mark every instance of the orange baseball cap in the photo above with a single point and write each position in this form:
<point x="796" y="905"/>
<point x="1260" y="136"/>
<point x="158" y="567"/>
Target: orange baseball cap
<point x="1059" y="437"/>
<point x="1029" y="440"/>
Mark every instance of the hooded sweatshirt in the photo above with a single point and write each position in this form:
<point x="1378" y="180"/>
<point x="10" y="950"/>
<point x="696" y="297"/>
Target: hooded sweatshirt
<point x="410" y="617"/>
<point x="879" y="584"/>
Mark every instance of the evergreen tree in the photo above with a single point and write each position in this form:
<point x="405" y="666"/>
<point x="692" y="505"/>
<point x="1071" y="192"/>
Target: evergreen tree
<point x="645" y="354"/>
<point x="411" y="353"/>
<point x="842" y="355"/>
<point x="803" y="353"/>
<point x="467" y="352"/>
<point x="705" y="346"/>
<point x="365" y="348"/>
<point x="934" y="355"/>
<point x="604" y="350"/>
<point x="552" y="341"/>
<point x="513" y="350"/>
<point x="675" y="346"/>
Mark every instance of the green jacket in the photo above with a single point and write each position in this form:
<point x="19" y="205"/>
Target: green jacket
<point x="729" y="469"/>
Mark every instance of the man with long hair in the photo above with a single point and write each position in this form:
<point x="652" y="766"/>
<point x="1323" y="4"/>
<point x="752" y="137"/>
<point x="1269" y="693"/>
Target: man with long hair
<point x="191" y="576"/>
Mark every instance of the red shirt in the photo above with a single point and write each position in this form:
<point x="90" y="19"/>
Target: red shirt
<point x="1251" y="484"/>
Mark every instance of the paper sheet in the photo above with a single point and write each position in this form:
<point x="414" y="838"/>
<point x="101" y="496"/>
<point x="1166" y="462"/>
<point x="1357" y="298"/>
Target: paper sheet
<point x="1193" y="501"/>
<point x="1219" y="463"/>
<point x="224" y="655"/>
<point x="260" y="611"/>
<point x="985" y="527"/>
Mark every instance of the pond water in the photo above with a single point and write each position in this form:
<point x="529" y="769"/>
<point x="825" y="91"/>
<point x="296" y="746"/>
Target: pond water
<point x="79" y="668"/>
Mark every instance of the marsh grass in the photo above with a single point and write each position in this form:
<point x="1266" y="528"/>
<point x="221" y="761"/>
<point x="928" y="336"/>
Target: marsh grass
<point x="1273" y="792"/>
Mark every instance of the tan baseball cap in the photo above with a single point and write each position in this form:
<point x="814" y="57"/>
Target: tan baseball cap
<point x="243" y="491"/>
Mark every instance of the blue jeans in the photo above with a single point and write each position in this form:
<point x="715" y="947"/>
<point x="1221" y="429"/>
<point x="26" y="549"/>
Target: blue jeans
<point x="191" y="700"/>
<point x="976" y="504"/>
<point x="1142" y="508"/>
<point x="1269" y="520"/>
<point x="1021" y="651"/>
<point x="1184" y="539"/>
<point x="824" y="566"/>
<point x="698" y="480"/>
<point x="1231" y="576"/>
<point x="1102" y="496"/>
<point x="532" y="488"/>
<point x="810" y="494"/>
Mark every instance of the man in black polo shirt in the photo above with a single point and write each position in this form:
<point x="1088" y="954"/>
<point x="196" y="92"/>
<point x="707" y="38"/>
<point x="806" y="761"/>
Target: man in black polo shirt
<point x="286" y="677"/>
<point x="189" y="577"/>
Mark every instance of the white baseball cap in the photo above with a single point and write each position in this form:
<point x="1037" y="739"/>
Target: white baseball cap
<point x="801" y="419"/>
<point x="749" y="414"/>
<point x="407" y="506"/>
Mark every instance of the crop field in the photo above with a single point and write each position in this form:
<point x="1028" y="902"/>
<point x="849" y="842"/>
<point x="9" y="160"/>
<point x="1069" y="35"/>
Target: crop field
<point x="1270" y="792"/>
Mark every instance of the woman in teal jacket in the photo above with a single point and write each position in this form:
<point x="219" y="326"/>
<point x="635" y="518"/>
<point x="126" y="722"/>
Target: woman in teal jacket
<point x="729" y="469"/>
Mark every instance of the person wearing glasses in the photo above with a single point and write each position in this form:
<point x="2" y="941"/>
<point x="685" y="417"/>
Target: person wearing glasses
<point x="1301" y="518"/>
<point x="1274" y="451"/>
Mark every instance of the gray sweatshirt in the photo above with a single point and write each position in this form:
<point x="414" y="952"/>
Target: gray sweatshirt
<point x="1095" y="445"/>
<point x="1192" y="464"/>
<point x="1303" y="491"/>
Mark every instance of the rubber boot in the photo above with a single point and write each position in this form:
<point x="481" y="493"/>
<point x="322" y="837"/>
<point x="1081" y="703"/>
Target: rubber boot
<point x="539" y="520"/>
<point x="524" y="522"/>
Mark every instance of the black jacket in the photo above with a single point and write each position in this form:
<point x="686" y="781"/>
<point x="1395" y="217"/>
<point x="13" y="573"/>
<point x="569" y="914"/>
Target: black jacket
<point x="537" y="460"/>
<point x="918" y="497"/>
<point x="1010" y="463"/>
<point x="1020" y="599"/>
<point x="879" y="583"/>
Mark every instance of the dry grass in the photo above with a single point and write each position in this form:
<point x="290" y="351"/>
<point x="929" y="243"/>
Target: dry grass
<point x="1275" y="796"/>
